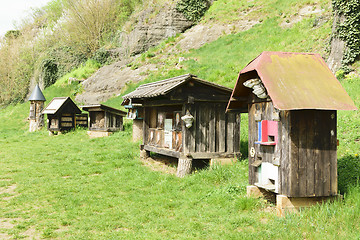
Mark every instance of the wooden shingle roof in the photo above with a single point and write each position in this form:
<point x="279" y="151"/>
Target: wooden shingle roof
<point x="163" y="87"/>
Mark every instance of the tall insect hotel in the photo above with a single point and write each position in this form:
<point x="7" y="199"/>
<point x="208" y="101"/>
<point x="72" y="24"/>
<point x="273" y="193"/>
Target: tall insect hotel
<point x="291" y="99"/>
<point x="37" y="101"/>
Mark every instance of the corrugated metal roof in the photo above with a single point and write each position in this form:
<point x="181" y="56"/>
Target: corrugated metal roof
<point x="294" y="81"/>
<point x="56" y="103"/>
<point x="163" y="87"/>
<point x="37" y="95"/>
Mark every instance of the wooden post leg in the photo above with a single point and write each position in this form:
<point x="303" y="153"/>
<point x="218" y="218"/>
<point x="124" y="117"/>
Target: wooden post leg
<point x="184" y="167"/>
<point x="144" y="154"/>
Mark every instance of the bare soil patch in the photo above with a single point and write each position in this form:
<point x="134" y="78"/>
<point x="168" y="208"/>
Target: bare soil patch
<point x="161" y="164"/>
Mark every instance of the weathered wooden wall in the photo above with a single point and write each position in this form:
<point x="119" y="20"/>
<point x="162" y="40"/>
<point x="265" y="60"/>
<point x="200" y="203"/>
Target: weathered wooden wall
<point x="313" y="159"/>
<point x="306" y="150"/>
<point x="213" y="131"/>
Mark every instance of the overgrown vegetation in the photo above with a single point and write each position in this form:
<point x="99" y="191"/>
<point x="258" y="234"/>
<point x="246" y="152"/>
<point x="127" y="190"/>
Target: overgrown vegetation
<point x="193" y="9"/>
<point x="58" y="38"/>
<point x="349" y="29"/>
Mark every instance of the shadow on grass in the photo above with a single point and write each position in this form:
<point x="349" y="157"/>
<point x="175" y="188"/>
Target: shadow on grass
<point x="348" y="172"/>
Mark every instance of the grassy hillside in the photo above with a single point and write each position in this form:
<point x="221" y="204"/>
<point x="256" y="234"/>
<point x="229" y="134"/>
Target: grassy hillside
<point x="73" y="187"/>
<point x="220" y="61"/>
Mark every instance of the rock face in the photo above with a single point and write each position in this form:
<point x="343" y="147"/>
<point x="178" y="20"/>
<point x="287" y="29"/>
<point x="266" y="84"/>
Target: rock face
<point x="200" y="34"/>
<point x="150" y="31"/>
<point x="337" y="47"/>
<point x="108" y="81"/>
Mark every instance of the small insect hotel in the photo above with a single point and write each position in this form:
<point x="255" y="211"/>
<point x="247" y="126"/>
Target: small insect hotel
<point x="64" y="115"/>
<point x="103" y="120"/>
<point x="37" y="101"/>
<point x="184" y="117"/>
<point x="291" y="99"/>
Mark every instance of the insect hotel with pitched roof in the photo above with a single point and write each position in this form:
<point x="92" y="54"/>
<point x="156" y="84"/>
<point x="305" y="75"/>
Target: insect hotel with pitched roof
<point x="184" y="117"/>
<point x="103" y="120"/>
<point x="63" y="115"/>
<point x="291" y="99"/>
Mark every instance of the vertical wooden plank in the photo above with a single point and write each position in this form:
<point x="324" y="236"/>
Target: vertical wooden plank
<point x="193" y="130"/>
<point x="252" y="133"/>
<point x="202" y="128"/>
<point x="217" y="123"/>
<point x="230" y="132"/>
<point x="311" y="153"/>
<point x="205" y="126"/>
<point x="284" y="143"/>
<point x="145" y="125"/>
<point x="198" y="135"/>
<point x="212" y="124"/>
<point x="304" y="136"/>
<point x="327" y="132"/>
<point x="105" y="120"/>
<point x="294" y="154"/>
<point x="222" y="131"/>
<point x="237" y="132"/>
<point x="333" y="155"/>
<point x="186" y="134"/>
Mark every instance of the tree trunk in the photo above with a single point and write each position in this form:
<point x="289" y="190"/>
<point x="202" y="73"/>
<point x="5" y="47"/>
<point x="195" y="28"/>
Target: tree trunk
<point x="184" y="167"/>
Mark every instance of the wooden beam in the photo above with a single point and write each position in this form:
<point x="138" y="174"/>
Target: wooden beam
<point x="209" y="155"/>
<point x="162" y="151"/>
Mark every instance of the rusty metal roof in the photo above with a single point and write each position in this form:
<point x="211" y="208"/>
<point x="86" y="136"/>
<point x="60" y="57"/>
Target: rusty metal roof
<point x="57" y="103"/>
<point x="293" y="81"/>
<point x="163" y="87"/>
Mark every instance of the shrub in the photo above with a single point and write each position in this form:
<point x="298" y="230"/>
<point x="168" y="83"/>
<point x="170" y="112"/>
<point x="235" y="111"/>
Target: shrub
<point x="348" y="172"/>
<point x="101" y="56"/>
<point x="193" y="9"/>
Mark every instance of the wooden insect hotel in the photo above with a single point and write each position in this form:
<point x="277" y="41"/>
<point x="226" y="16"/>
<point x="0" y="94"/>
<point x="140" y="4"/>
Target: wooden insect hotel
<point x="103" y="120"/>
<point x="62" y="114"/>
<point x="36" y="118"/>
<point x="184" y="117"/>
<point x="291" y="100"/>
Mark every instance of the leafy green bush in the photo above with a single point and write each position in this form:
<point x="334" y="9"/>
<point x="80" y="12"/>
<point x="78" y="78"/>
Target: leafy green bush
<point x="348" y="172"/>
<point x="348" y="30"/>
<point x="101" y="56"/>
<point x="49" y="71"/>
<point x="193" y="9"/>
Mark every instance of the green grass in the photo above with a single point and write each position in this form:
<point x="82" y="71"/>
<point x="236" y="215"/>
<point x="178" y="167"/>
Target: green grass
<point x="72" y="187"/>
<point x="97" y="189"/>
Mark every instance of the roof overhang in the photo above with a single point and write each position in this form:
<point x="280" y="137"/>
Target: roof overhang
<point x="293" y="81"/>
<point x="101" y="107"/>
